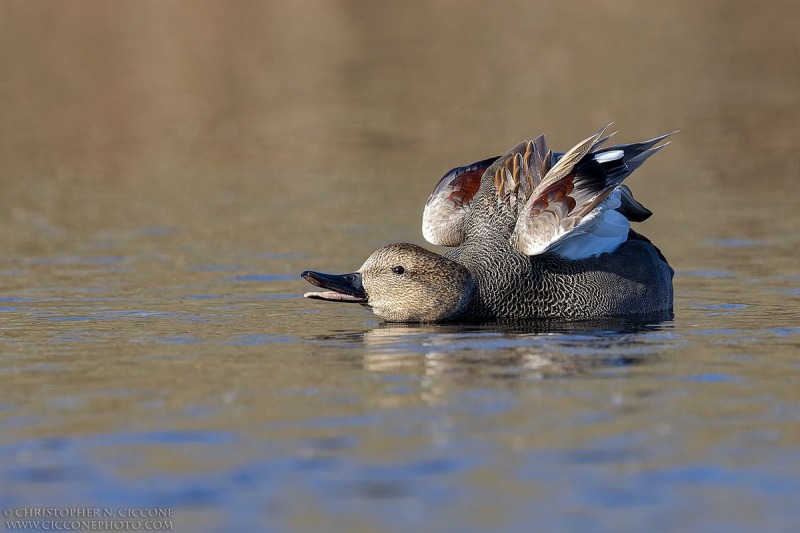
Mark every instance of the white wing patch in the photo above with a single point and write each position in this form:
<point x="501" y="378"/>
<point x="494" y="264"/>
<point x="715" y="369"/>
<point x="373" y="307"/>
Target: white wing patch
<point x="607" y="157"/>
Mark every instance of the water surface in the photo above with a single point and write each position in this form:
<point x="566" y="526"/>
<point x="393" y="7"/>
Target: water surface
<point x="168" y="169"/>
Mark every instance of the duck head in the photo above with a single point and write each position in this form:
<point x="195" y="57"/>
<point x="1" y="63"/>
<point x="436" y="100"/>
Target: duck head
<point x="401" y="283"/>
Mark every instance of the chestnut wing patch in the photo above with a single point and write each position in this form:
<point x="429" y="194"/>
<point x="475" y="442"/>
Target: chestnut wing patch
<point x="444" y="218"/>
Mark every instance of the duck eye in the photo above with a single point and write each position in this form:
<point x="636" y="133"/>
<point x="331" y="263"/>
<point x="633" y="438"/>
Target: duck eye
<point x="399" y="270"/>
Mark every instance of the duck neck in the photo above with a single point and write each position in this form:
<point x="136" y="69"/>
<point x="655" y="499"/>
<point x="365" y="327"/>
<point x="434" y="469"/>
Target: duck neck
<point x="468" y="296"/>
<point x="458" y="301"/>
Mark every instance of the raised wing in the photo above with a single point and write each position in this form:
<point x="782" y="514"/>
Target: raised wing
<point x="573" y="209"/>
<point x="444" y="218"/>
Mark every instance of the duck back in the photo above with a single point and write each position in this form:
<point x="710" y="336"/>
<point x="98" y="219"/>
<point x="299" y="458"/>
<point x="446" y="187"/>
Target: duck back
<point x="634" y="279"/>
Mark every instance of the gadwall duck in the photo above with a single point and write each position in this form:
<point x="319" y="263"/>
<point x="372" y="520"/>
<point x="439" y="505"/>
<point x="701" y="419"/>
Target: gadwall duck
<point x="534" y="234"/>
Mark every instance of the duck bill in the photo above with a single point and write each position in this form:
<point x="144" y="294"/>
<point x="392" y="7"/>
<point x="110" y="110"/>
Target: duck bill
<point x="341" y="287"/>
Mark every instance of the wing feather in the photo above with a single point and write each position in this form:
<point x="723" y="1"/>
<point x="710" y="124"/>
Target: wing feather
<point x="571" y="201"/>
<point x="444" y="217"/>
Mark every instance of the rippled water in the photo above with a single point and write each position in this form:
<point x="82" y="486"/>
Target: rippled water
<point x="168" y="169"/>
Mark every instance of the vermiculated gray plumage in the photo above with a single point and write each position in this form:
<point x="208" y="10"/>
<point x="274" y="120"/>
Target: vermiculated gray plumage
<point x="634" y="279"/>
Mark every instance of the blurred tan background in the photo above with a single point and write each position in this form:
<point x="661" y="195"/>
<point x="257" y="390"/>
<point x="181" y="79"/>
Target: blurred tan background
<point x="254" y="122"/>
